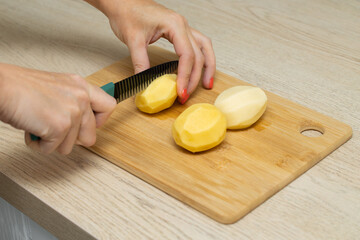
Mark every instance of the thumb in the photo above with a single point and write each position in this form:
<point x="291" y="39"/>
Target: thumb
<point x="139" y="56"/>
<point x="101" y="103"/>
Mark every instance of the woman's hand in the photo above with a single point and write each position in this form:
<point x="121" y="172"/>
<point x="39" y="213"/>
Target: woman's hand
<point x="57" y="107"/>
<point x="139" y="23"/>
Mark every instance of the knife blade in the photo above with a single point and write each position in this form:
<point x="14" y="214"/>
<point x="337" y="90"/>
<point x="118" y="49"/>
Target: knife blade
<point x="130" y="86"/>
<point x="134" y="84"/>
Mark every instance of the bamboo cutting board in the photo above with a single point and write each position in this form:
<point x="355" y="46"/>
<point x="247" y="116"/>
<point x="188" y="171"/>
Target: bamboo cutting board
<point x="231" y="179"/>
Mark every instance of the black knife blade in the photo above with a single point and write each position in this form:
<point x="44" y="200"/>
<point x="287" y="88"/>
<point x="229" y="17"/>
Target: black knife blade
<point x="132" y="85"/>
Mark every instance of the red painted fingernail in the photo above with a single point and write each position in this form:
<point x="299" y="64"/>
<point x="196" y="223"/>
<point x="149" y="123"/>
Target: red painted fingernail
<point x="211" y="83"/>
<point x="184" y="96"/>
<point x="184" y="93"/>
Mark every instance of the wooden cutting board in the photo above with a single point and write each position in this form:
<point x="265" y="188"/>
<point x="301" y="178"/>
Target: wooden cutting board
<point x="231" y="179"/>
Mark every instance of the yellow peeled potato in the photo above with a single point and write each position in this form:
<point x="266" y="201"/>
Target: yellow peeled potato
<point x="242" y="105"/>
<point x="200" y="127"/>
<point x="159" y="95"/>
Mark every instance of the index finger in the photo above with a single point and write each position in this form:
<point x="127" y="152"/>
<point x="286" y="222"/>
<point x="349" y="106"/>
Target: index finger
<point x="185" y="51"/>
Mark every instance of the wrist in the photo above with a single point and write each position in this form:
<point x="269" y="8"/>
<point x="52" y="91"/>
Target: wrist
<point x="111" y="8"/>
<point x="105" y="6"/>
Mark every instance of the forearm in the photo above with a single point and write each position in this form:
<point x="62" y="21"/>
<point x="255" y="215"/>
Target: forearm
<point x="3" y="91"/>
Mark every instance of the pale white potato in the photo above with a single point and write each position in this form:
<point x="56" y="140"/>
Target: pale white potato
<point x="241" y="105"/>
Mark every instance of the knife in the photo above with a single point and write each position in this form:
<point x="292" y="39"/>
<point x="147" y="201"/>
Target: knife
<point x="130" y="86"/>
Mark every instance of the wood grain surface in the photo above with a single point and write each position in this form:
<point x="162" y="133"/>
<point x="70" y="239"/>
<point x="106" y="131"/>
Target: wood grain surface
<point x="305" y="51"/>
<point x="232" y="179"/>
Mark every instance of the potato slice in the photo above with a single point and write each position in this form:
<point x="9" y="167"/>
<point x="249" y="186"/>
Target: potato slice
<point x="200" y="127"/>
<point x="159" y="95"/>
<point x="242" y="105"/>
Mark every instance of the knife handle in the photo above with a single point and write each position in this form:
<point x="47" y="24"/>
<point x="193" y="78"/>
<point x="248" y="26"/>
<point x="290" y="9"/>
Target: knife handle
<point x="109" y="88"/>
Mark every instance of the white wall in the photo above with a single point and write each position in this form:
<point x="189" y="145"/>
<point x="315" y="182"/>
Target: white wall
<point x="14" y="225"/>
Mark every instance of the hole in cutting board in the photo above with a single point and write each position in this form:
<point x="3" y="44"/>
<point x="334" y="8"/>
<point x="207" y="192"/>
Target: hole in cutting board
<point x="311" y="129"/>
<point x="312" y="132"/>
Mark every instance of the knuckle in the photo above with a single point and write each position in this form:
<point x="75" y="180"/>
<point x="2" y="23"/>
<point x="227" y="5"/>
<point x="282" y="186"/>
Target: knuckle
<point x="128" y="36"/>
<point x="191" y="60"/>
<point x="207" y="41"/>
<point x="187" y="75"/>
<point x="45" y="131"/>
<point x="76" y="112"/>
<point x="76" y="77"/>
<point x="62" y="126"/>
<point x="78" y="80"/>
<point x="178" y="19"/>
<point x="184" y="20"/>
<point x="211" y="65"/>
<point x="82" y="96"/>
<point x="80" y="89"/>
<point x="139" y="66"/>
<point x="192" y="54"/>
<point x="189" y="55"/>
<point x="200" y="59"/>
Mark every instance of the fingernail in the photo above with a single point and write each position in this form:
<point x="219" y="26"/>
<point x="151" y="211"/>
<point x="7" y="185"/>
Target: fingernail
<point x="211" y="83"/>
<point x="184" y="96"/>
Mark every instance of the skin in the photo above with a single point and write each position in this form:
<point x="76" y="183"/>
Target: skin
<point x="54" y="106"/>
<point x="139" y="23"/>
<point x="64" y="110"/>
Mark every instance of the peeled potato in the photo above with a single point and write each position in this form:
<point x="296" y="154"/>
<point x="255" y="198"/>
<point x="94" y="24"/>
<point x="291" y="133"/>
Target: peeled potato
<point x="242" y="105"/>
<point x="200" y="127"/>
<point x="159" y="95"/>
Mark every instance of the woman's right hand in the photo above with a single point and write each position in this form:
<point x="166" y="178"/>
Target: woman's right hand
<point x="62" y="109"/>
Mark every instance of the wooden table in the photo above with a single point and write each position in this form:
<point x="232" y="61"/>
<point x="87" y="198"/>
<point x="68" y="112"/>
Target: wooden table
<point x="306" y="51"/>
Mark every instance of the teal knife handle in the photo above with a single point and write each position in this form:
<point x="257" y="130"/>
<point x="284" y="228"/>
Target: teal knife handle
<point x="34" y="138"/>
<point x="108" y="88"/>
